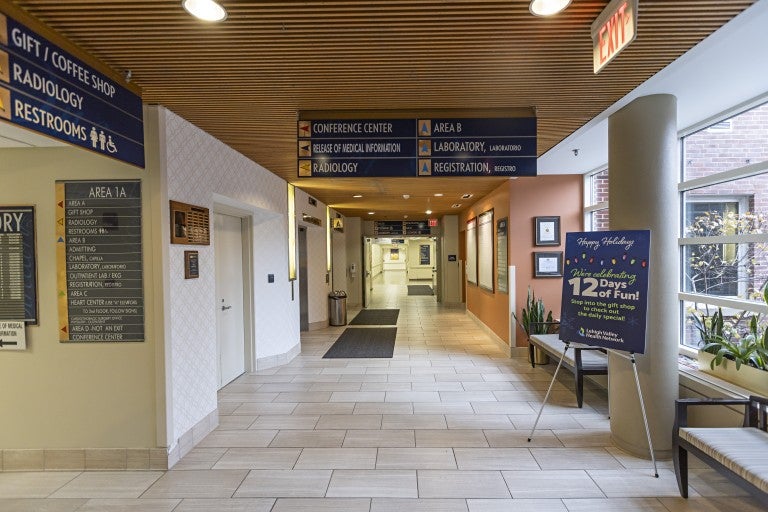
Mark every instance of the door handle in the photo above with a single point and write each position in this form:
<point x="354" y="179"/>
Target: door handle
<point x="224" y="308"/>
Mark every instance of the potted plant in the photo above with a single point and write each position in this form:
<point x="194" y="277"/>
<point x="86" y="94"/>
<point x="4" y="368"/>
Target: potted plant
<point x="738" y="358"/>
<point x="534" y="320"/>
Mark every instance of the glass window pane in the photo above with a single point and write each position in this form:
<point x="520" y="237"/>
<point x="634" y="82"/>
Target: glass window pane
<point x="598" y="220"/>
<point x="701" y="328"/>
<point x="736" y="142"/>
<point x="598" y="187"/>
<point x="726" y="270"/>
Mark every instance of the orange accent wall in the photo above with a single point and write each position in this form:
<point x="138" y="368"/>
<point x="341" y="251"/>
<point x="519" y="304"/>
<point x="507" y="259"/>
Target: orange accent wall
<point x="521" y="200"/>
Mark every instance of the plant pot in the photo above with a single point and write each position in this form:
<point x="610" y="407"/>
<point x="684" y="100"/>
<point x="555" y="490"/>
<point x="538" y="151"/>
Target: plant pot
<point x="746" y="377"/>
<point x="539" y="356"/>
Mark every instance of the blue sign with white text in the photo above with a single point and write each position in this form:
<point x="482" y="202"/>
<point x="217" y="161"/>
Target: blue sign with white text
<point x="605" y="289"/>
<point x="48" y="90"/>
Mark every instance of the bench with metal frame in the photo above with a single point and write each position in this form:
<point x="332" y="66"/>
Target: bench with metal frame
<point x="586" y="360"/>
<point x="740" y="453"/>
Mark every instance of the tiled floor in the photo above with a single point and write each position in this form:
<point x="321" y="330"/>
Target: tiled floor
<point x="442" y="426"/>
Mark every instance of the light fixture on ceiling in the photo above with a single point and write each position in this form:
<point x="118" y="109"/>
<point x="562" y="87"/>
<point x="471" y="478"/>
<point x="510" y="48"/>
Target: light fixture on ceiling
<point x="548" y="7"/>
<point x="206" y="10"/>
<point x="466" y="196"/>
<point x="428" y="212"/>
<point x="371" y="213"/>
<point x="438" y="195"/>
<point x="406" y="196"/>
<point x="456" y="205"/>
<point x="357" y="196"/>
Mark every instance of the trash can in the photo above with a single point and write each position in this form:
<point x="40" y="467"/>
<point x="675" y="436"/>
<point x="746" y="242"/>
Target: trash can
<point x="337" y="307"/>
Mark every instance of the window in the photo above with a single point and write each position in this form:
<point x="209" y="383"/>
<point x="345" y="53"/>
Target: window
<point x="596" y="201"/>
<point x="724" y="225"/>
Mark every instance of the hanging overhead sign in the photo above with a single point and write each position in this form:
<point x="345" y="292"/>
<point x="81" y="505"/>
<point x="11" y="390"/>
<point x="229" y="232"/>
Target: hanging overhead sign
<point x="612" y="31"/>
<point x="605" y="289"/>
<point x="48" y="90"/>
<point x="352" y="148"/>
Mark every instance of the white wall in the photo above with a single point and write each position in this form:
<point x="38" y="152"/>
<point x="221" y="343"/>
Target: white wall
<point x="376" y="260"/>
<point x="415" y="269"/>
<point x="201" y="170"/>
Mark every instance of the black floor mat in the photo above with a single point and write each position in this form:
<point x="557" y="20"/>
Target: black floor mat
<point x="368" y="342"/>
<point x="420" y="289"/>
<point x="376" y="317"/>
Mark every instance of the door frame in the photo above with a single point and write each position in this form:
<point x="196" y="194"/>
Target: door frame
<point x="246" y="233"/>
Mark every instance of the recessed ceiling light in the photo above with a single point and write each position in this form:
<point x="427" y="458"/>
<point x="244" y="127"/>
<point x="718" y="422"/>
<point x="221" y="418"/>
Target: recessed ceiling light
<point x="466" y="196"/>
<point x="428" y="212"/>
<point x="438" y="195"/>
<point x="371" y="213"/>
<point x="405" y="216"/>
<point x="206" y="10"/>
<point x="548" y="7"/>
<point x="357" y="196"/>
<point x="456" y="205"/>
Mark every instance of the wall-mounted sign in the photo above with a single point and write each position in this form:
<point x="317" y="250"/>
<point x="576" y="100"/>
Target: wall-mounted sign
<point x="338" y="224"/>
<point x="612" y="31"/>
<point x="502" y="255"/>
<point x="352" y="148"/>
<point x="12" y="335"/>
<point x="48" y="90"/>
<point x="18" y="274"/>
<point x="425" y="255"/>
<point x="191" y="265"/>
<point x="190" y="224"/>
<point x="99" y="260"/>
<point x="605" y="289"/>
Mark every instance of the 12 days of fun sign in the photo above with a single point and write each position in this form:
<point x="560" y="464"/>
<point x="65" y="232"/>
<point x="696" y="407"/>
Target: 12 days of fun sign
<point x="605" y="289"/>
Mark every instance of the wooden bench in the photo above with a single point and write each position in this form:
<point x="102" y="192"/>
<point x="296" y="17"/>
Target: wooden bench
<point x="740" y="453"/>
<point x="580" y="359"/>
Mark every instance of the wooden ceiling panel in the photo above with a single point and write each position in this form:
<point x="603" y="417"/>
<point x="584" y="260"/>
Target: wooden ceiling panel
<point x="245" y="80"/>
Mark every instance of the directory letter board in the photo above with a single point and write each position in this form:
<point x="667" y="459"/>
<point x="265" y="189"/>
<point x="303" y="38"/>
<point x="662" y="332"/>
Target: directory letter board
<point x="18" y="276"/>
<point x="99" y="257"/>
<point x="605" y="289"/>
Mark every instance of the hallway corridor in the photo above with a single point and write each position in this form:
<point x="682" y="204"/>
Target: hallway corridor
<point x="441" y="426"/>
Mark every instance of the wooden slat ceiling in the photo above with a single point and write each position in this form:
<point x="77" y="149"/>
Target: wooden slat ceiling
<point x="245" y="80"/>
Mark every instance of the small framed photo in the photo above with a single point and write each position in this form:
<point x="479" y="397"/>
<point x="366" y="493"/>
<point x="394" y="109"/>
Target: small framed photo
<point x="547" y="230"/>
<point x="191" y="265"/>
<point x="547" y="264"/>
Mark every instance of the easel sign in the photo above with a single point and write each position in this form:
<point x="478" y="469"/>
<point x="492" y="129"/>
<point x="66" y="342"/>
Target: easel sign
<point x="605" y="300"/>
<point x="605" y="289"/>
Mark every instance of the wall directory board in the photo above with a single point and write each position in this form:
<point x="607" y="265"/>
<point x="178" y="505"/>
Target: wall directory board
<point x="18" y="275"/>
<point x="472" y="251"/>
<point x="424" y="255"/>
<point x="485" y="250"/>
<point x="99" y="261"/>
<point x="502" y="256"/>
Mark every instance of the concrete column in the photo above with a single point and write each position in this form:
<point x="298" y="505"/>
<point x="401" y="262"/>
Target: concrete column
<point x="644" y="167"/>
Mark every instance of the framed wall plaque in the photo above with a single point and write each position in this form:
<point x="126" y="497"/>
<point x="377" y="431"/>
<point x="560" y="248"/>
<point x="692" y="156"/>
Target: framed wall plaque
<point x="191" y="265"/>
<point x="190" y="224"/>
<point x="547" y="264"/>
<point x="546" y="230"/>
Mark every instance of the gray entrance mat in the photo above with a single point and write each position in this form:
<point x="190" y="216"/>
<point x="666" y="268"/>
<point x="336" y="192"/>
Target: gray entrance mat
<point x="420" y="289"/>
<point x="366" y="342"/>
<point x="376" y="317"/>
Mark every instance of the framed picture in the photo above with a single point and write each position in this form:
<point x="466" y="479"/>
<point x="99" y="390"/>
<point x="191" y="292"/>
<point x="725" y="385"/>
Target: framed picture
<point x="547" y="230"/>
<point x="547" y="264"/>
<point x="191" y="265"/>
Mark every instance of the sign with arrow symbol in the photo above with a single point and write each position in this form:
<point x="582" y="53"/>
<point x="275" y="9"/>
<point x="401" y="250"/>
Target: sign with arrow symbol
<point x="12" y="335"/>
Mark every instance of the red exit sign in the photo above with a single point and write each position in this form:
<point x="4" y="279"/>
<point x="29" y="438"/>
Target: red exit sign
<point x="432" y="223"/>
<point x="612" y="31"/>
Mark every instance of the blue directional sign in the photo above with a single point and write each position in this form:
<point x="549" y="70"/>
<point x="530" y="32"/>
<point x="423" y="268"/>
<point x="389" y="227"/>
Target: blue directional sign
<point x="48" y="90"/>
<point x="417" y="147"/>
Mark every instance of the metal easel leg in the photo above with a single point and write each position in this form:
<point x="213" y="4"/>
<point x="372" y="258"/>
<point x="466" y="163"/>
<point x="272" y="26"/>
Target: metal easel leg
<point x="645" y="417"/>
<point x="549" y="390"/>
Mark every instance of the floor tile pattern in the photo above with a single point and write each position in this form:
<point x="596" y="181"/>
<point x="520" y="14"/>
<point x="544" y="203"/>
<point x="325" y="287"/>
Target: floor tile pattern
<point x="442" y="426"/>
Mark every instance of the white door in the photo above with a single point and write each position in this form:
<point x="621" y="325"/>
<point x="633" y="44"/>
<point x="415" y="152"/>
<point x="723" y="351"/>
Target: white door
<point x="230" y="327"/>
